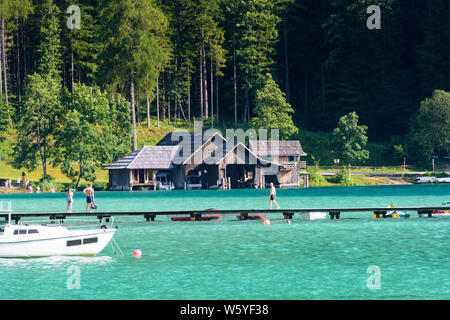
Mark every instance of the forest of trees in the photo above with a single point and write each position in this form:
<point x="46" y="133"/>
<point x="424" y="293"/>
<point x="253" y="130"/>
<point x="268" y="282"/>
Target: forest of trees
<point x="210" y="59"/>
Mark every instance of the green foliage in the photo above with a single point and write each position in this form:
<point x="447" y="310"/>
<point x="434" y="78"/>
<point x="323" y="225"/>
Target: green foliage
<point x="344" y="177"/>
<point x="257" y="33"/>
<point x="39" y="116"/>
<point x="319" y="52"/>
<point x="316" y="179"/>
<point x="4" y="115"/>
<point x="429" y="132"/>
<point x="273" y="111"/>
<point x="349" y="140"/>
<point x="95" y="130"/>
<point x="50" y="51"/>
<point x="135" y="42"/>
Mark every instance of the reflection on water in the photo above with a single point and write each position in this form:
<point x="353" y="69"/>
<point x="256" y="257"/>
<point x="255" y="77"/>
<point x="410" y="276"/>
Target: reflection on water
<point x="53" y="262"/>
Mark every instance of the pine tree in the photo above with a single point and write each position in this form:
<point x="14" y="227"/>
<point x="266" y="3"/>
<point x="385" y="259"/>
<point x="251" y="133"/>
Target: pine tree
<point x="135" y="47"/>
<point x="256" y="25"/>
<point x="42" y="107"/>
<point x="273" y="111"/>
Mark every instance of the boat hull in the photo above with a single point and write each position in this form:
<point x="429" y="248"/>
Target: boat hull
<point x="77" y="243"/>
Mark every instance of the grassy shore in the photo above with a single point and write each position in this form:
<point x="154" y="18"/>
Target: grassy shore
<point x="360" y="180"/>
<point x="58" y="180"/>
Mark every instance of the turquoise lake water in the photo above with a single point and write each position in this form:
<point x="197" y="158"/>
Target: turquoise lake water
<point x="232" y="259"/>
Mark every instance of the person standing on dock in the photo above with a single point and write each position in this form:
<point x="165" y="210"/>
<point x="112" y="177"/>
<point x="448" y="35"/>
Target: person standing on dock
<point x="89" y="192"/>
<point x="69" y="196"/>
<point x="272" y="196"/>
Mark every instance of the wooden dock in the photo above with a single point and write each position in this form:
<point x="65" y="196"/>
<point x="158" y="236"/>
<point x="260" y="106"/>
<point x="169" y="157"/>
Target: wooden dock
<point x="334" y="213"/>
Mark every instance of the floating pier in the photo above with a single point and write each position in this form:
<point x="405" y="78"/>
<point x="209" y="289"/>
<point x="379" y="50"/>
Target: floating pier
<point x="334" y="213"/>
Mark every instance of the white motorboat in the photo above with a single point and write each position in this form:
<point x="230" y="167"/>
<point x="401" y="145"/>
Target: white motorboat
<point x="42" y="240"/>
<point x="163" y="182"/>
<point x="396" y="214"/>
<point x="193" y="182"/>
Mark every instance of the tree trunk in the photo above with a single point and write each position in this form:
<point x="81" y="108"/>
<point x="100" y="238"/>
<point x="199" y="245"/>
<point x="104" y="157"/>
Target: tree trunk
<point x="133" y="113"/>
<point x="211" y="87"/>
<point x="175" y="110"/>
<point x="19" y="89"/>
<point x="148" y="111"/>
<point x="201" y="82"/>
<point x="79" y="177"/>
<point x="164" y="98"/>
<point x="189" y="101"/>
<point x="205" y="87"/>
<point x="286" y="65"/>
<point x="322" y="71"/>
<point x="246" y="107"/>
<point x="306" y="88"/>
<point x="217" y="98"/>
<point x="157" y="101"/>
<point x="40" y="147"/>
<point x="72" y="73"/>
<point x="5" y="66"/>
<point x="168" y="109"/>
<point x="234" y="84"/>
<point x="182" y="112"/>
<point x="138" y="111"/>
<point x="1" y="68"/>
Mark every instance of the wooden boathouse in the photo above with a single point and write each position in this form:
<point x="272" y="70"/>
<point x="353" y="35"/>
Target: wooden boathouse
<point x="139" y="168"/>
<point x="287" y="154"/>
<point x="194" y="160"/>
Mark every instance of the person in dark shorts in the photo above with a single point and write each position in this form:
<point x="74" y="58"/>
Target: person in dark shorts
<point x="89" y="192"/>
<point x="272" y="196"/>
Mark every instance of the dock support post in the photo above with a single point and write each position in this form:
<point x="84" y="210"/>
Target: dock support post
<point x="243" y="216"/>
<point x="287" y="215"/>
<point x="334" y="214"/>
<point x="150" y="217"/>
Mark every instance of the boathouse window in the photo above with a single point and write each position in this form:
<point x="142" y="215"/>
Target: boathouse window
<point x="90" y="240"/>
<point x="72" y="243"/>
<point x="293" y="158"/>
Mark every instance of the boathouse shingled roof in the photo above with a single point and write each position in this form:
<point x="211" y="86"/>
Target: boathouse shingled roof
<point x="147" y="157"/>
<point x="268" y="148"/>
<point x="188" y="142"/>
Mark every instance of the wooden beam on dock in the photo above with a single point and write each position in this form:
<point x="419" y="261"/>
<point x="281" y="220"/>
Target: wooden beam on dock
<point x="287" y="213"/>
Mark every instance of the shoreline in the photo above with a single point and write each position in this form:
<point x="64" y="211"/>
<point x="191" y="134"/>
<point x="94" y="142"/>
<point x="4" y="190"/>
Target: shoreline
<point x="375" y="181"/>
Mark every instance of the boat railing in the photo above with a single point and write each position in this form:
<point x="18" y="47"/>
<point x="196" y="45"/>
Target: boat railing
<point x="6" y="209"/>
<point x="105" y="221"/>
